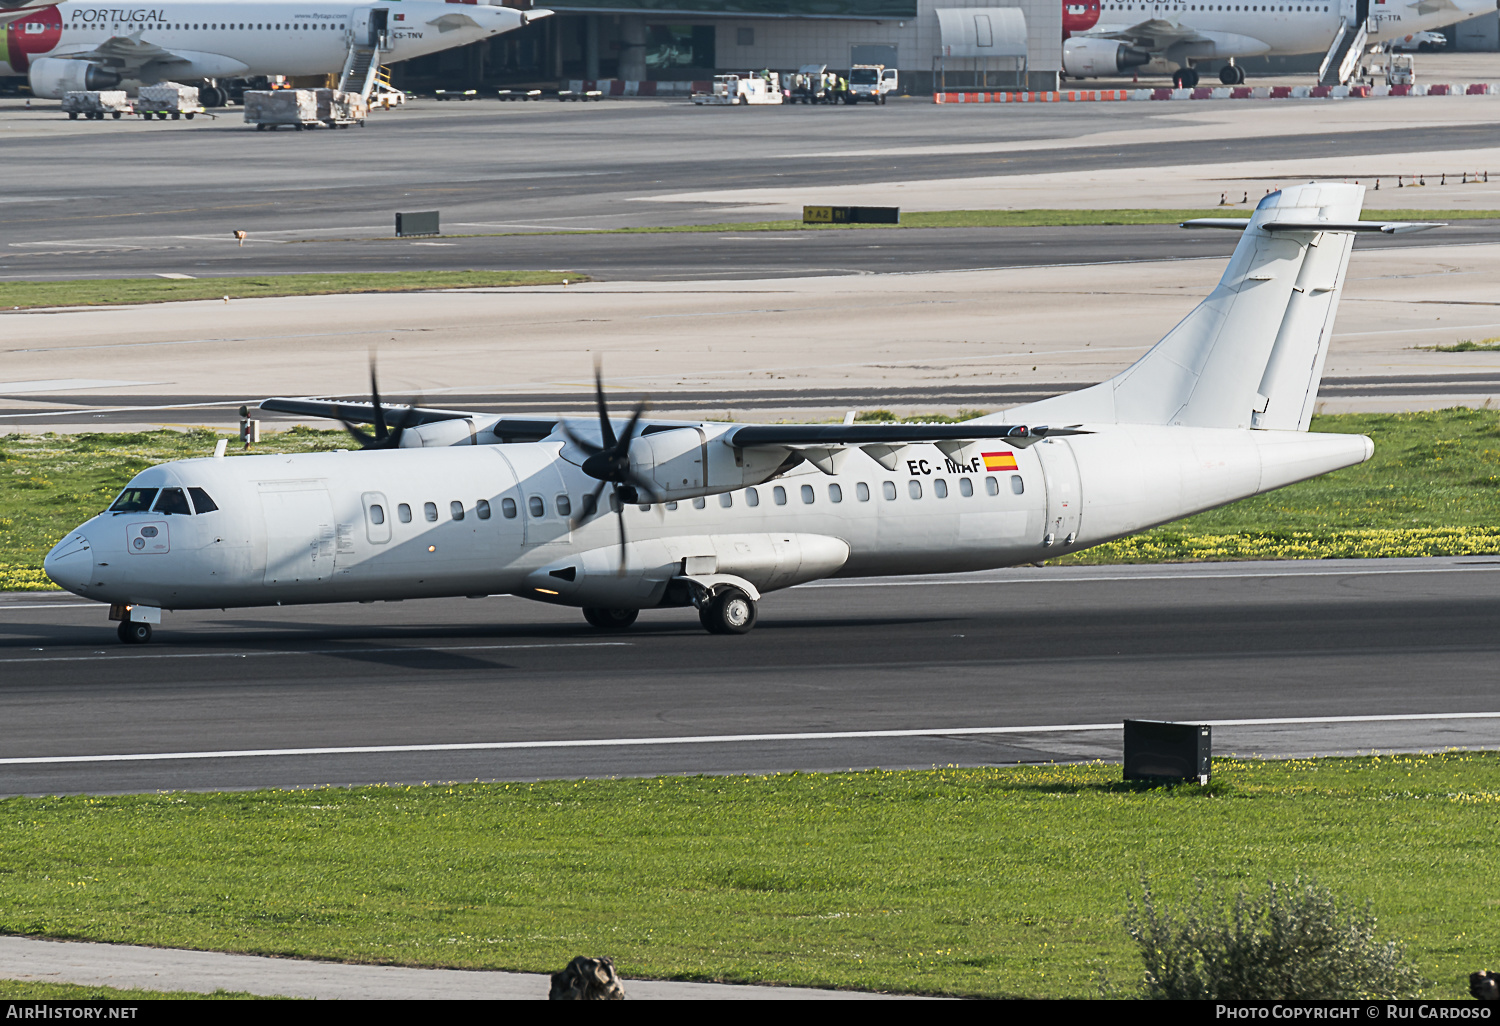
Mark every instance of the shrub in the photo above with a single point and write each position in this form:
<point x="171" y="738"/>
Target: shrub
<point x="1294" y="942"/>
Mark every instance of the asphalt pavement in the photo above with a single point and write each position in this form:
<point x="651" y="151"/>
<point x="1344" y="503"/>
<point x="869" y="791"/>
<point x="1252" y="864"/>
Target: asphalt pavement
<point x="1023" y="665"/>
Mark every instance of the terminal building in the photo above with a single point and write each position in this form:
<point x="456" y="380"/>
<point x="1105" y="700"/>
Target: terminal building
<point x="959" y="41"/>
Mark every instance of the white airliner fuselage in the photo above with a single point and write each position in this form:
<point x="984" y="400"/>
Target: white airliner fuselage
<point x="1178" y="34"/>
<point x="713" y="514"/>
<point x="185" y="41"/>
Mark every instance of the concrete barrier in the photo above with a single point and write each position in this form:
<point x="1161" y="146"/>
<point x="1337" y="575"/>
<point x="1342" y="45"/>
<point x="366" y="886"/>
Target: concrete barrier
<point x="1158" y="93"/>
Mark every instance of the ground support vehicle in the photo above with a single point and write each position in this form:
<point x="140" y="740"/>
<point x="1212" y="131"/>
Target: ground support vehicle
<point x="809" y="84"/>
<point x="304" y="108"/>
<point x="95" y="104"/>
<point x="519" y="94"/>
<point x="168" y="100"/>
<point x="755" y="87"/>
<point x="1391" y="68"/>
<point x="456" y="94"/>
<point x="870" y="82"/>
<point x="582" y="96"/>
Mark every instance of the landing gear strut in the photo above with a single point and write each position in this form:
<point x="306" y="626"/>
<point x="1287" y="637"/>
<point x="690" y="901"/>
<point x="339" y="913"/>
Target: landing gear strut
<point x="610" y="619"/>
<point x="731" y="611"/>
<point x="134" y="633"/>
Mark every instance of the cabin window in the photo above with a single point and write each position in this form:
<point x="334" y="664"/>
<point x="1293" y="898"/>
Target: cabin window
<point x="726" y="499"/>
<point x="564" y="506"/>
<point x="134" y="500"/>
<point x="965" y="487"/>
<point x="1017" y="485"/>
<point x="940" y="488"/>
<point x="644" y="507"/>
<point x="403" y="513"/>
<point x="201" y="502"/>
<point x="429" y="510"/>
<point x="672" y="505"/>
<point x="835" y="493"/>
<point x="888" y="489"/>
<point x="482" y="507"/>
<point x="456" y="510"/>
<point x="377" y="515"/>
<point x="779" y="494"/>
<point x="862" y="492"/>
<point x="752" y="497"/>
<point x="914" y="488"/>
<point x="590" y="505"/>
<point x="537" y="507"/>
<point x="807" y="494"/>
<point x="508" y="508"/>
<point x="700" y="502"/>
<point x="172" y="500"/>
<point x="991" y="486"/>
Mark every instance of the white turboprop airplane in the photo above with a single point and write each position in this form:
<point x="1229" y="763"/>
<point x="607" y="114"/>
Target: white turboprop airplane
<point x="1159" y="36"/>
<point x="72" y="45"/>
<point x="712" y="515"/>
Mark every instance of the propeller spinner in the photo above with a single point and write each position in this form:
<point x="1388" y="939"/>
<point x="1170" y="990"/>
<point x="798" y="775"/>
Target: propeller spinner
<point x="609" y="464"/>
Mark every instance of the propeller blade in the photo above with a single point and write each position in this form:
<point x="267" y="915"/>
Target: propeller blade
<point x="364" y="438"/>
<point x="606" y="430"/>
<point x="380" y="425"/>
<point x="582" y="443"/>
<point x="620" y="513"/>
<point x="590" y="506"/>
<point x="629" y="435"/>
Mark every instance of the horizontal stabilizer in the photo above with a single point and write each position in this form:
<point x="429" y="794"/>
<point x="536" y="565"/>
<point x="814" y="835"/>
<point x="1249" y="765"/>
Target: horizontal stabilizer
<point x="1239" y="224"/>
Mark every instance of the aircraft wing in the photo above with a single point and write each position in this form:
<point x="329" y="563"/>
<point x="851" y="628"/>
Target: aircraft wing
<point x="9" y="14"/>
<point x="359" y="413"/>
<point x="794" y="435"/>
<point x="1151" y="34"/>
<point x="127" y="55"/>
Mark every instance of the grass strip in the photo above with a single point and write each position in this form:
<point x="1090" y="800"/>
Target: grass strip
<point x="116" y="291"/>
<point x="25" y="990"/>
<point x="1468" y="345"/>
<point x="986" y="881"/>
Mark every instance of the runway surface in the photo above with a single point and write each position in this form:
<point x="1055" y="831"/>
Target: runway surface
<point x="104" y="412"/>
<point x="1341" y="656"/>
<point x="549" y="168"/>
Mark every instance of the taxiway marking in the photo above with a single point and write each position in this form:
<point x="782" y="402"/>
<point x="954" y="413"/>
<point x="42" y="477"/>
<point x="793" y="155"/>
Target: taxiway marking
<point x="631" y="742"/>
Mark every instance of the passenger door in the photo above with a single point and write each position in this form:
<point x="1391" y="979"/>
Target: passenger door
<point x="1064" y="491"/>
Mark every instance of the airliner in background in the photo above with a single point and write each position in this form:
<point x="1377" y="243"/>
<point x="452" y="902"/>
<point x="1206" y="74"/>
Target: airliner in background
<point x="67" y="46"/>
<point x="1104" y="38"/>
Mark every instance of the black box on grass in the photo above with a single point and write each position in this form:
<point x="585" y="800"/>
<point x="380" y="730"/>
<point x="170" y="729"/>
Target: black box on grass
<point x="851" y="215"/>
<point x="1162" y="750"/>
<point x="422" y="222"/>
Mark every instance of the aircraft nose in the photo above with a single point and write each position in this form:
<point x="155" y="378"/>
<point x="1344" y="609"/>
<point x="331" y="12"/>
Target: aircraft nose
<point x="70" y="563"/>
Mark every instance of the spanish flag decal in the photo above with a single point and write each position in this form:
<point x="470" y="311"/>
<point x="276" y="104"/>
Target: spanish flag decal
<point x="1000" y="461"/>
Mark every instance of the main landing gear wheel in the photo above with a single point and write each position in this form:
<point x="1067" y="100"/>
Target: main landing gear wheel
<point x="610" y="619"/>
<point x="134" y="633"/>
<point x="1232" y="74"/>
<point x="731" y="611"/>
<point x="1185" y="78"/>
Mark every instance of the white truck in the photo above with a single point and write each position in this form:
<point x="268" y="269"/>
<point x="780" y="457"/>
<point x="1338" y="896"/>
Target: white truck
<point x="751" y="88"/>
<point x="871" y="82"/>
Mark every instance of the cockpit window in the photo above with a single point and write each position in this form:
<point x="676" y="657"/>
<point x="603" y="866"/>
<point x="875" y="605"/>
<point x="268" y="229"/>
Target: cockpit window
<point x="134" y="500"/>
<point x="201" y="502"/>
<point x="172" y="501"/>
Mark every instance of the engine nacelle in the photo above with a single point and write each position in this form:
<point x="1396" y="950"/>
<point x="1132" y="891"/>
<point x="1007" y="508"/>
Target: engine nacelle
<point x="684" y="463"/>
<point x="51" y="77"/>
<point x="1088" y="57"/>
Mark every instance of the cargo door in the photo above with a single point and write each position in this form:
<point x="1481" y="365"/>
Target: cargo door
<point x="299" y="531"/>
<point x="1064" y="491"/>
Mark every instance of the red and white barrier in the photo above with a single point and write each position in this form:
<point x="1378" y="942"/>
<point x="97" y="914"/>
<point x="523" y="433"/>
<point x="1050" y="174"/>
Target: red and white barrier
<point x="1222" y="93"/>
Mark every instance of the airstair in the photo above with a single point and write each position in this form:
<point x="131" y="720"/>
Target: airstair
<point x="1342" y="60"/>
<point x="361" y="67"/>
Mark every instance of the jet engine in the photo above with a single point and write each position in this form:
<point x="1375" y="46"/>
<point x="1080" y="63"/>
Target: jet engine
<point x="1088" y="57"/>
<point x="51" y="77"/>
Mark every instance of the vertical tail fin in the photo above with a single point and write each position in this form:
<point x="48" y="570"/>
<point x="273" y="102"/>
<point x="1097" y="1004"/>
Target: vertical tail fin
<point x="1252" y="353"/>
